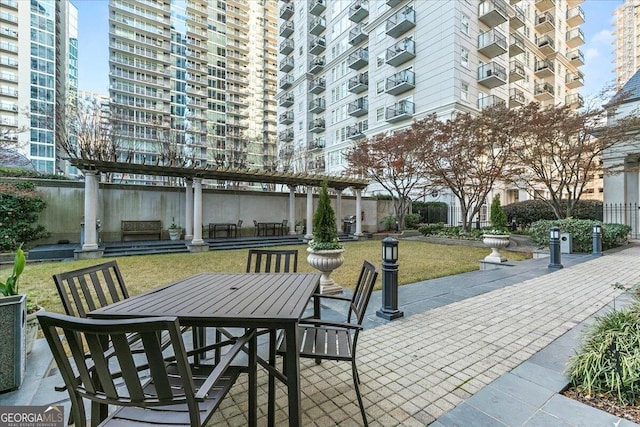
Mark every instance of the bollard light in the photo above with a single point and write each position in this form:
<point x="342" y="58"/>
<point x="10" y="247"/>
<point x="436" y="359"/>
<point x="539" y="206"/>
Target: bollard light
<point x="554" y="248"/>
<point x="597" y="239"/>
<point x="389" y="310"/>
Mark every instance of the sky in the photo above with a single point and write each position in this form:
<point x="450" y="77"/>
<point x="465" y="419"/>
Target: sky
<point x="93" y="39"/>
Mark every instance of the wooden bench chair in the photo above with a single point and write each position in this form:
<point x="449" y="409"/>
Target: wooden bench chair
<point x="338" y="340"/>
<point x="146" y="388"/>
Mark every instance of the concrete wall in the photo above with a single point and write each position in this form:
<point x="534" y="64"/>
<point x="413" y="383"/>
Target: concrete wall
<point x="65" y="207"/>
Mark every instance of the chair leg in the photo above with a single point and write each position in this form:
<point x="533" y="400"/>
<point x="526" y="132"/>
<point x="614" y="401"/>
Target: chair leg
<point x="356" y="382"/>
<point x="271" y="411"/>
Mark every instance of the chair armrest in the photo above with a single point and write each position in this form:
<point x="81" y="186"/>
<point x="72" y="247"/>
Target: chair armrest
<point x="225" y="362"/>
<point x="336" y="297"/>
<point x="318" y="322"/>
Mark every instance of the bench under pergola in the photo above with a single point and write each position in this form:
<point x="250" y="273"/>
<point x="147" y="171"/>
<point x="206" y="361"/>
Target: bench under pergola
<point x="193" y="177"/>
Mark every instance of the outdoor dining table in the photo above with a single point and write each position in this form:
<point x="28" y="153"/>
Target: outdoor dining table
<point x="244" y="300"/>
<point x="275" y="228"/>
<point x="230" y="228"/>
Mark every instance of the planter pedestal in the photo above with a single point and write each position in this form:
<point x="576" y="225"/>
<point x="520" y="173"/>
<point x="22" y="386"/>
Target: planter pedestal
<point x="326" y="261"/>
<point x="495" y="242"/>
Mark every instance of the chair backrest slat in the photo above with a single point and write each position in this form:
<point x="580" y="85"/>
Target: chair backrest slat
<point x="362" y="292"/>
<point x="272" y="261"/>
<point x="87" y="289"/>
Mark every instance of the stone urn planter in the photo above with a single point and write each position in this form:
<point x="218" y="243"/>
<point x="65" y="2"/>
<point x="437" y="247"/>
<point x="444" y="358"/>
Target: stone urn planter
<point x="174" y="233"/>
<point x="495" y="242"/>
<point x="326" y="261"/>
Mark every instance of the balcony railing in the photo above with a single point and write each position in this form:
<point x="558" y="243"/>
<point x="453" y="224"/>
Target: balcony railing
<point x="543" y="91"/>
<point x="544" y="68"/>
<point x="359" y="83"/>
<point x="317" y="26"/>
<point x="492" y="12"/>
<point x="358" y="59"/>
<point x="286" y="81"/>
<point x="359" y="107"/>
<point x="357" y="35"/>
<point x="575" y="16"/>
<point x="317" y="45"/>
<point x="516" y="98"/>
<point x="516" y="71"/>
<point x="401" y="52"/>
<point x="316" y="125"/>
<point x="317" y="105"/>
<point x="286" y="47"/>
<point x="492" y="75"/>
<point x="358" y="10"/>
<point x="402" y="110"/>
<point x="575" y="38"/>
<point x="317" y="7"/>
<point x="317" y="85"/>
<point x="492" y="43"/>
<point x="317" y="64"/>
<point x="287" y="100"/>
<point x="516" y="46"/>
<point x="401" y="22"/>
<point x="400" y="82"/>
<point x="545" y="22"/>
<point x="490" y="101"/>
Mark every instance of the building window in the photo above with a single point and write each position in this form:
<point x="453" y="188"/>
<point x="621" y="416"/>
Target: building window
<point x="464" y="57"/>
<point x="464" y="25"/>
<point x="379" y="86"/>
<point x="380" y="60"/>
<point x="464" y="91"/>
<point x="380" y="33"/>
<point x="380" y="114"/>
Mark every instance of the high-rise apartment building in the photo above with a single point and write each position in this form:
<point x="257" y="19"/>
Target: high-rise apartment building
<point x="195" y="77"/>
<point x="627" y="40"/>
<point x="38" y="73"/>
<point x="350" y="69"/>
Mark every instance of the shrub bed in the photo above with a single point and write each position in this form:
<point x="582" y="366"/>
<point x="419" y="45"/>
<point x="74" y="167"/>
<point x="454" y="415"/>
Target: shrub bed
<point x="581" y="233"/>
<point x="20" y="206"/>
<point x="529" y="211"/>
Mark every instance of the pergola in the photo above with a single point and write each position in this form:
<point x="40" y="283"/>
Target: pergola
<point x="194" y="175"/>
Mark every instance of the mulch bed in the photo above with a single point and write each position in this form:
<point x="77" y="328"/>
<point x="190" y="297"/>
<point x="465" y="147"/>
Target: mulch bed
<point x="606" y="403"/>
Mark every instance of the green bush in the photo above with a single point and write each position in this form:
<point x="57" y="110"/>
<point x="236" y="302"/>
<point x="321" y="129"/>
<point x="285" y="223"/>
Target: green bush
<point x="497" y="216"/>
<point x="609" y="359"/>
<point x="25" y="173"/>
<point x="411" y="221"/>
<point x="530" y="211"/>
<point x="455" y="232"/>
<point x="20" y="206"/>
<point x="389" y="222"/>
<point x="431" y="229"/>
<point x="581" y="233"/>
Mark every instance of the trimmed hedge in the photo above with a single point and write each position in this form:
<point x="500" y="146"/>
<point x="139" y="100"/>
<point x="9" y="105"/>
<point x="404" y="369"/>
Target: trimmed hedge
<point x="581" y="233"/>
<point x="25" y="173"/>
<point x="20" y="206"/>
<point x="530" y="211"/>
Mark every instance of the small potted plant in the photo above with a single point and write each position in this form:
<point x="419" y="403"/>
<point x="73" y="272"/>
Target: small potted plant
<point x="325" y="250"/>
<point x="174" y="230"/>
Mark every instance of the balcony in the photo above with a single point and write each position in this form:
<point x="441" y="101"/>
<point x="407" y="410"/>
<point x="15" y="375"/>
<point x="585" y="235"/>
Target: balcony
<point x="401" y="52"/>
<point x="317" y="64"/>
<point x="492" y="43"/>
<point x="358" y="10"/>
<point x="317" y="26"/>
<point x="359" y="107"/>
<point x="357" y="35"/>
<point x="316" y="144"/>
<point x="317" y="7"/>
<point x="544" y="68"/>
<point x="516" y="46"/>
<point x="490" y="101"/>
<point x="286" y="101"/>
<point x="401" y="22"/>
<point x="359" y="83"/>
<point x="543" y="91"/>
<point x="574" y="3"/>
<point x="574" y="80"/>
<point x="317" y="85"/>
<point x="400" y="82"/>
<point x="286" y="29"/>
<point x="353" y="132"/>
<point x="545" y="22"/>
<point x="576" y="57"/>
<point x="546" y="44"/>
<point x="575" y="16"/>
<point x="516" y="98"/>
<point x="286" y="118"/>
<point x="516" y="71"/>
<point x="316" y="125"/>
<point x="287" y="64"/>
<point x="393" y="3"/>
<point x="317" y="105"/>
<point x="286" y="47"/>
<point x="574" y="100"/>
<point x="518" y="19"/>
<point x="316" y="165"/>
<point x="286" y="135"/>
<point x="317" y="45"/>
<point x="575" y="38"/>
<point x="492" y="12"/>
<point x="402" y="110"/>
<point x="543" y="5"/>
<point x="358" y="59"/>
<point x="492" y="75"/>
<point x="286" y="11"/>
<point x="286" y="81"/>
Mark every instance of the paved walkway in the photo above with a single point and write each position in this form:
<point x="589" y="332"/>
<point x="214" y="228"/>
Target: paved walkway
<point x="455" y="359"/>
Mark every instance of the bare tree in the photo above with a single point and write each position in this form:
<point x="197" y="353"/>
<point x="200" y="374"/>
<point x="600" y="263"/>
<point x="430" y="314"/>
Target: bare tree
<point x="558" y="150"/>
<point x="395" y="161"/>
<point x="468" y="156"/>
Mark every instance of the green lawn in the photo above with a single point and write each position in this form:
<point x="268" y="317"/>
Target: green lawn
<point x="418" y="261"/>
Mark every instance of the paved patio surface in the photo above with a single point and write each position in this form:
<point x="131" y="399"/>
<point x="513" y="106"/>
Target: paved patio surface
<point x="485" y="348"/>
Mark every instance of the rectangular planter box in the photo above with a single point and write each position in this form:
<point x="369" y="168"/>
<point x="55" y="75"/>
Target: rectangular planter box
<point x="13" y="315"/>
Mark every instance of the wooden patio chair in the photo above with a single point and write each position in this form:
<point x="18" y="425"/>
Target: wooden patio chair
<point x="146" y="388"/>
<point x="272" y="261"/>
<point x="320" y="339"/>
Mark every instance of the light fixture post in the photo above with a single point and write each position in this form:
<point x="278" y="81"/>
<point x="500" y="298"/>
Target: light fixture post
<point x="389" y="310"/>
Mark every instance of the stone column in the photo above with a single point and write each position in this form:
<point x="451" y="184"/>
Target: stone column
<point x="292" y="210"/>
<point x="339" y="209"/>
<point x="358" y="214"/>
<point x="309" y="234"/>
<point x="188" y="226"/>
<point x="197" y="244"/>
<point x="90" y="248"/>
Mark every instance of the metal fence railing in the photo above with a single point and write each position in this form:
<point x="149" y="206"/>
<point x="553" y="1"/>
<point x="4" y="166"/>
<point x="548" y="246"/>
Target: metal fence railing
<point x="621" y="213"/>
